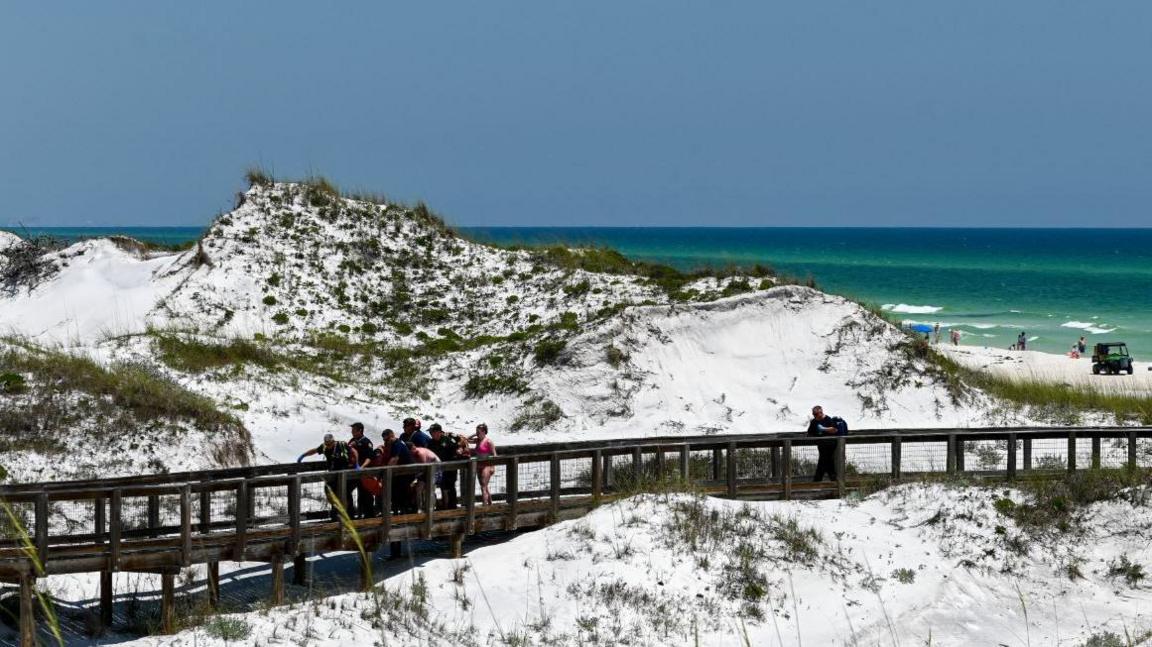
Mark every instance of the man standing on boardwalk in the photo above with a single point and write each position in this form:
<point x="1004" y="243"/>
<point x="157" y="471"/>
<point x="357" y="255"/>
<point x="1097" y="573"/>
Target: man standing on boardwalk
<point x="826" y="428"/>
<point x="365" y="502"/>
<point x="447" y="448"/>
<point x="338" y="456"/>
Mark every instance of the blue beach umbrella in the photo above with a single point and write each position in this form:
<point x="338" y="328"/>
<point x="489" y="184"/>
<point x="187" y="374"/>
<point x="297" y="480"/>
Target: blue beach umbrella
<point x="921" y="328"/>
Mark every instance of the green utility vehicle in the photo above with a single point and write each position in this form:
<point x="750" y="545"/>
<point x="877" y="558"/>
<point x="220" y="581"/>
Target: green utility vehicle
<point x="1111" y="357"/>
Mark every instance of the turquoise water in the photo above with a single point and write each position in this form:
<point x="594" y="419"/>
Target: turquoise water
<point x="159" y="235"/>
<point x="991" y="284"/>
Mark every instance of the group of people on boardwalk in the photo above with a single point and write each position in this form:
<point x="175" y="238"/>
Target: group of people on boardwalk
<point x="412" y="446"/>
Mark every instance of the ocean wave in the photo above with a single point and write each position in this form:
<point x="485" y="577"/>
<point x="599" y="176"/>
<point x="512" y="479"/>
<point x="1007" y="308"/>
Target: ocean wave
<point x="1087" y="327"/>
<point x="912" y="310"/>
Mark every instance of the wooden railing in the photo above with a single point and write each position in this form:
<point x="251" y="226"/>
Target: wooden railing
<point x="275" y="513"/>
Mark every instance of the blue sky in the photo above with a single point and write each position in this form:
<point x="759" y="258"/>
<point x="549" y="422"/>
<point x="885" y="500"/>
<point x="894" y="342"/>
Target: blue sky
<point x="1026" y="113"/>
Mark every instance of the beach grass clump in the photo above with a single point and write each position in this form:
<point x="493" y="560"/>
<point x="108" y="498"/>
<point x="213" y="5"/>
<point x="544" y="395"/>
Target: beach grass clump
<point x="227" y="628"/>
<point x="193" y="355"/>
<point x="479" y="385"/>
<point x="1056" y="504"/>
<point x="135" y="388"/>
<point x="536" y="414"/>
<point x="257" y="176"/>
<point x="547" y="351"/>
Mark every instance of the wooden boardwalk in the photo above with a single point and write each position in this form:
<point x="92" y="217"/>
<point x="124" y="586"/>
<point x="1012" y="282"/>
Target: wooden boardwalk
<point x="279" y="513"/>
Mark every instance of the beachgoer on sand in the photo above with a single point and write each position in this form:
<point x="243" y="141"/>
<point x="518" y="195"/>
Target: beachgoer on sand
<point x="1081" y="346"/>
<point x="1022" y="342"/>
<point x="955" y="335"/>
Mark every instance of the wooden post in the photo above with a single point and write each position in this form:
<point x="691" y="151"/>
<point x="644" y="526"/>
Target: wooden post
<point x="214" y="584"/>
<point x="1011" y="456"/>
<point x="554" y="486"/>
<point x="251" y="506"/>
<point x="960" y="454"/>
<point x="841" y="449"/>
<point x="1096" y="453"/>
<point x="153" y="515"/>
<point x="469" y="492"/>
<point x="429" y="498"/>
<point x="167" y="602"/>
<point x="456" y="543"/>
<point x="717" y="456"/>
<point x="42" y="527"/>
<point x="205" y="510"/>
<point x="1131" y="450"/>
<point x="100" y="526"/>
<point x="114" y="506"/>
<point x="774" y="463"/>
<point x="241" y="521"/>
<point x="106" y="597"/>
<point x="294" y="489"/>
<point x="685" y="464"/>
<point x="951" y="456"/>
<point x="661" y="465"/>
<point x="1071" y="451"/>
<point x="386" y="495"/>
<point x="637" y="467"/>
<point x="300" y="570"/>
<point x="597" y="475"/>
<point x="897" y="454"/>
<point x="786" y="475"/>
<point x="186" y="525"/>
<point x="512" y="483"/>
<point x="27" y="611"/>
<point x="609" y="477"/>
<point x="342" y="496"/>
<point x="731" y="470"/>
<point x="277" y="580"/>
<point x="1027" y="454"/>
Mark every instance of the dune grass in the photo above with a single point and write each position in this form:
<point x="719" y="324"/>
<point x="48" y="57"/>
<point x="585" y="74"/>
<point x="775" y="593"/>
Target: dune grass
<point x="137" y="388"/>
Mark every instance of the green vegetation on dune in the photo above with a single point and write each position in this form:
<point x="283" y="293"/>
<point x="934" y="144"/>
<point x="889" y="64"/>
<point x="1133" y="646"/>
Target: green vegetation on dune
<point x="1055" y="504"/>
<point x="134" y="387"/>
<point x="49" y="395"/>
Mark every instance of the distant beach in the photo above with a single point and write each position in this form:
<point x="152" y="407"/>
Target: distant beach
<point x="990" y="284"/>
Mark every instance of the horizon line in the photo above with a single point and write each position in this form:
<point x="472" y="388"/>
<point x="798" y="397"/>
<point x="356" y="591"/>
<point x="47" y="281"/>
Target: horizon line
<point x="16" y="228"/>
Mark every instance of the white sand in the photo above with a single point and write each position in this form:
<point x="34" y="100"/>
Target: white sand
<point x="1048" y="367"/>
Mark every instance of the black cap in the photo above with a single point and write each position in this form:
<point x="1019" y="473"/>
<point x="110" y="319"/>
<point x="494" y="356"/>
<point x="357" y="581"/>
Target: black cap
<point x="358" y="425"/>
<point x="435" y="427"/>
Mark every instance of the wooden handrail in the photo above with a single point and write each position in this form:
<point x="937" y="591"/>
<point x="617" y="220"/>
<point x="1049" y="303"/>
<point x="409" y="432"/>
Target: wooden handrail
<point x="282" y="504"/>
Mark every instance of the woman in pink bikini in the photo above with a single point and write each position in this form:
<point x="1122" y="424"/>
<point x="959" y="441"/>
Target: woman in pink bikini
<point x="484" y="449"/>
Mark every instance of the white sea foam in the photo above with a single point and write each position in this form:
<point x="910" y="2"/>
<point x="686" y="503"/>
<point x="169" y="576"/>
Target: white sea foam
<point x="1087" y="327"/>
<point x="914" y="310"/>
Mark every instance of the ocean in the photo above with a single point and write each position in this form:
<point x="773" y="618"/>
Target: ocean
<point x="1054" y="285"/>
